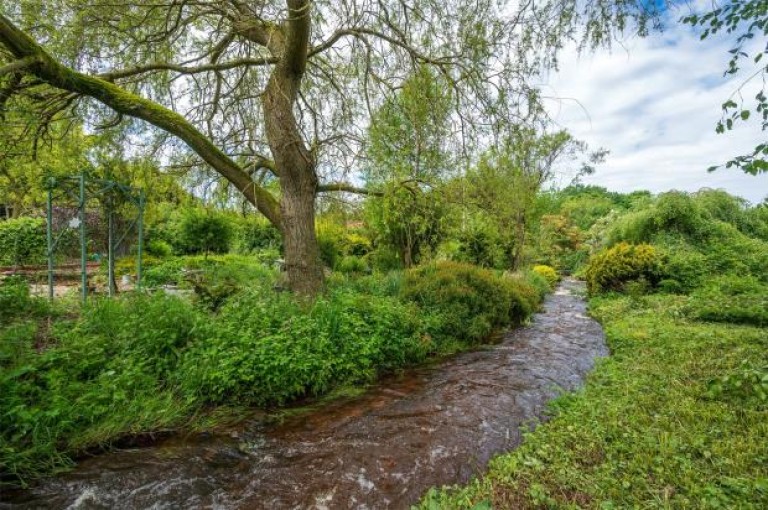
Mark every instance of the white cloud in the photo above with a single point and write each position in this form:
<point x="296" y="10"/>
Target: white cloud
<point x="654" y="103"/>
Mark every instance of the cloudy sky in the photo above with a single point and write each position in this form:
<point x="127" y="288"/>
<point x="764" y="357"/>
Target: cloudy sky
<point x="654" y="104"/>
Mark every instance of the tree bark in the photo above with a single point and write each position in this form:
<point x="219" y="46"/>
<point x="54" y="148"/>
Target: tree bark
<point x="294" y="163"/>
<point x="303" y="267"/>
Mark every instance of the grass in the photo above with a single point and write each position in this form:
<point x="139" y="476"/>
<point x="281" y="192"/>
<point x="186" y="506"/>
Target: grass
<point x="677" y="417"/>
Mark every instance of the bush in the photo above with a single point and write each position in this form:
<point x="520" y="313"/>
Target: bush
<point x="266" y="349"/>
<point x="547" y="272"/>
<point x="256" y="234"/>
<point x="673" y="213"/>
<point x="330" y="244"/>
<point x="204" y="232"/>
<point x="469" y="302"/>
<point x="527" y="290"/>
<point x="159" y="248"/>
<point x="352" y="264"/>
<point x="384" y="259"/>
<point x="612" y="269"/>
<point x="105" y="374"/>
<point x="23" y="241"/>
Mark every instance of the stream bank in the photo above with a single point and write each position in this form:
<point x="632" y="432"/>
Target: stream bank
<point x="430" y="426"/>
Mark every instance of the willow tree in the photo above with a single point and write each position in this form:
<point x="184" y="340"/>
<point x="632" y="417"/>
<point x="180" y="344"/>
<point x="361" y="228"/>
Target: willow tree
<point x="267" y="90"/>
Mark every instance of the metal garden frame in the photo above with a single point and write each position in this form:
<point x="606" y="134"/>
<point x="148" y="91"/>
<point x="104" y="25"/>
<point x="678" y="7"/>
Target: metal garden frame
<point x="79" y="188"/>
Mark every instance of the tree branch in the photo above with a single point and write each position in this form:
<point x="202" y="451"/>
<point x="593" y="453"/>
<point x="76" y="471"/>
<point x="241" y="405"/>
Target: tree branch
<point x="16" y="65"/>
<point x="347" y="188"/>
<point x="164" y="66"/>
<point x="49" y="70"/>
<point x="294" y="58"/>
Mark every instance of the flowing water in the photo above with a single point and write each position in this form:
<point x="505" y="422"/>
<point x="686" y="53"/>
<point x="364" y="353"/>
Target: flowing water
<point x="431" y="426"/>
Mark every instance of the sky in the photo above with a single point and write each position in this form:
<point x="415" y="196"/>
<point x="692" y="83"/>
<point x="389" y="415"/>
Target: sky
<point x="654" y="103"/>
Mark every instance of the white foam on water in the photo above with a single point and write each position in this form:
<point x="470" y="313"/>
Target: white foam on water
<point x="89" y="495"/>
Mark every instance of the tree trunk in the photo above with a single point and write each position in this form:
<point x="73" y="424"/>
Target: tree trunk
<point x="303" y="267"/>
<point x="519" y="242"/>
<point x="295" y="167"/>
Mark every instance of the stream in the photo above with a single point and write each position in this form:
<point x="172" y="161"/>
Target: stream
<point x="435" y="425"/>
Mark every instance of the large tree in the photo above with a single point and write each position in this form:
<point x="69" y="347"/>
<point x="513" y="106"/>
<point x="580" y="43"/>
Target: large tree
<point x="266" y="90"/>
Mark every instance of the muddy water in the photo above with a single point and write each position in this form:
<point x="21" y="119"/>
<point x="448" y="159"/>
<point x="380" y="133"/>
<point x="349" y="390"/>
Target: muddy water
<point x="432" y="426"/>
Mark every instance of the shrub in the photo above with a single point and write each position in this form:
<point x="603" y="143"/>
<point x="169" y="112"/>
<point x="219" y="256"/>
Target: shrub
<point x="352" y="264"/>
<point x="330" y="244"/>
<point x="480" y="245"/>
<point x="672" y="213"/>
<point x="469" y="301"/>
<point x="527" y="290"/>
<point x="255" y="234"/>
<point x="356" y="244"/>
<point x="266" y="348"/>
<point x="384" y="259"/>
<point x="23" y="241"/>
<point x="547" y="272"/>
<point x="159" y="248"/>
<point x="106" y="374"/>
<point x="204" y="232"/>
<point x="611" y="269"/>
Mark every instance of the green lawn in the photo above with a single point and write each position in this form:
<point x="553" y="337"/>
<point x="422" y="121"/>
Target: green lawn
<point x="677" y="417"/>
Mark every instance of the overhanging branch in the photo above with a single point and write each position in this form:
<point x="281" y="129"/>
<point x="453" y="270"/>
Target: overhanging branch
<point x="49" y="70"/>
<point x="347" y="188"/>
<point x="16" y="65"/>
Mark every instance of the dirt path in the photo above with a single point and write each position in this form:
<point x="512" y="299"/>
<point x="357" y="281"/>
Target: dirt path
<point x="432" y="426"/>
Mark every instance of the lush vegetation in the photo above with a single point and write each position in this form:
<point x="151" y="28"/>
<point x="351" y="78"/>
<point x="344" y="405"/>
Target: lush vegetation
<point x="676" y="416"/>
<point x="344" y="195"/>
<point x="74" y="378"/>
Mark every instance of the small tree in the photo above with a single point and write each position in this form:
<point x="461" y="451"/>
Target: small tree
<point x="505" y="182"/>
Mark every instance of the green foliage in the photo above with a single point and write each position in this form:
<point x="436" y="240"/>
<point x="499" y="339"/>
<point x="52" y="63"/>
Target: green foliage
<point x="143" y="362"/>
<point x="550" y="273"/>
<point x="338" y="243"/>
<point x="469" y="302"/>
<point x="22" y="241"/>
<point x="407" y="220"/>
<point x="16" y="302"/>
<point x="745" y="19"/>
<point x="613" y="268"/>
<point x="352" y="264"/>
<point x="730" y="298"/>
<point x="265" y="349"/>
<point x="159" y="248"/>
<point x="748" y="383"/>
<point x="384" y="259"/>
<point x="254" y="234"/>
<point x="330" y="242"/>
<point x="671" y="213"/>
<point x="204" y="232"/>
<point x="480" y="244"/>
<point x="104" y="374"/>
<point x="674" y="418"/>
